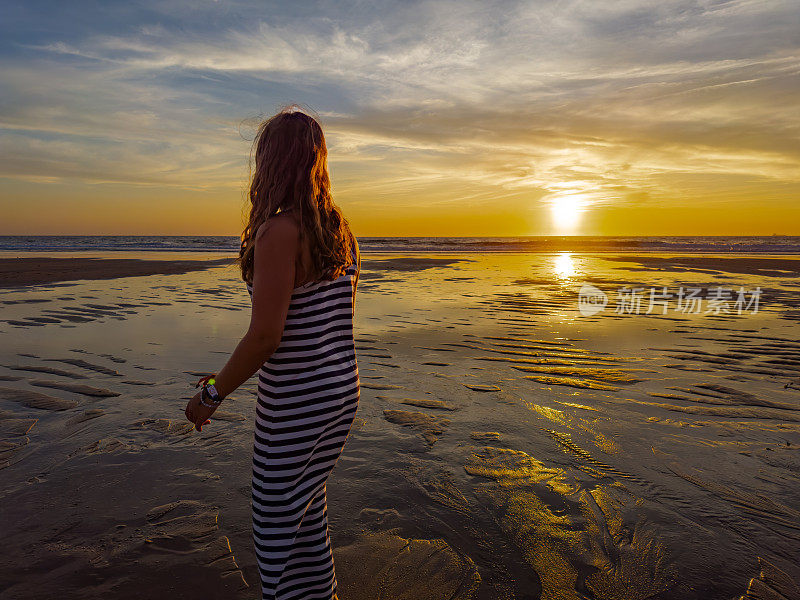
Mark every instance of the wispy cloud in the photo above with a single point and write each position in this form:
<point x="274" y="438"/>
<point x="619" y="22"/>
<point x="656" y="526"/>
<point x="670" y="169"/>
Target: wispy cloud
<point x="619" y="102"/>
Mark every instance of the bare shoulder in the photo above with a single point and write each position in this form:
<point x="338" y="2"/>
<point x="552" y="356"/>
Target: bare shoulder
<point x="279" y="230"/>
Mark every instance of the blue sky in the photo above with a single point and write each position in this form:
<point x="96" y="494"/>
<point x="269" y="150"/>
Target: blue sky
<point x="442" y="117"/>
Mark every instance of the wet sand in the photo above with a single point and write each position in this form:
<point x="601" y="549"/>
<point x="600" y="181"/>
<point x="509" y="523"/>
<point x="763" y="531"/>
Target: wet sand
<point x="749" y="265"/>
<point x="506" y="446"/>
<point x="22" y="271"/>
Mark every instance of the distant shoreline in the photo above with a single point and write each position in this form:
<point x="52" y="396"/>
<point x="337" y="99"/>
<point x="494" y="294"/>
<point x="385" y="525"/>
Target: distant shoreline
<point x="17" y="272"/>
<point x="28" y="271"/>
<point x="217" y="245"/>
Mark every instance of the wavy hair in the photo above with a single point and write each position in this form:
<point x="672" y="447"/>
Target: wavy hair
<point x="289" y="172"/>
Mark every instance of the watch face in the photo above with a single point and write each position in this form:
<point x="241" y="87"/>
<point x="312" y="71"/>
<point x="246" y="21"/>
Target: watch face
<point x="212" y="392"/>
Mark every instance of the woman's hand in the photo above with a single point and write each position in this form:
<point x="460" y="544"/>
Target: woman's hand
<point x="197" y="413"/>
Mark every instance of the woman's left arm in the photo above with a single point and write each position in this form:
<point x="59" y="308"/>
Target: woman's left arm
<point x="273" y="281"/>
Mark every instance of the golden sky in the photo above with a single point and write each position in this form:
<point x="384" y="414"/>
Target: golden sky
<point x="443" y="118"/>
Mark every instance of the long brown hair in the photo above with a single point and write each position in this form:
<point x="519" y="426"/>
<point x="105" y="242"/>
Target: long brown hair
<point x="289" y="172"/>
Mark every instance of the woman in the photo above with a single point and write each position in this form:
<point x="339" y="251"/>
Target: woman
<point x="301" y="265"/>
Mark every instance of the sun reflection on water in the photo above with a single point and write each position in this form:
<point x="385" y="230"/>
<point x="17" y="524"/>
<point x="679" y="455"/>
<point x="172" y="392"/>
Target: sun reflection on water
<point x="564" y="267"/>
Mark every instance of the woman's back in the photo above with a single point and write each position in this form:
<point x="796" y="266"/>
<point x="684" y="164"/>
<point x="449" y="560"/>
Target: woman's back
<point x="300" y="344"/>
<point x="308" y="394"/>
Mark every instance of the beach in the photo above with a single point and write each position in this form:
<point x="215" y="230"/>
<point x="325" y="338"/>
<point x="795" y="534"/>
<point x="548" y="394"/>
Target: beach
<point x="19" y="271"/>
<point x="511" y="443"/>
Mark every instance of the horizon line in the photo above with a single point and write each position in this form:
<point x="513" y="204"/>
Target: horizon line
<point x="670" y="235"/>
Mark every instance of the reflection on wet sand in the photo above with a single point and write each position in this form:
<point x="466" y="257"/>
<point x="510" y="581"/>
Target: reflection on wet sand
<point x="506" y="446"/>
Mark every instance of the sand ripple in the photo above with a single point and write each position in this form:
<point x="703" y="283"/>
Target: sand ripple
<point x="428" y="426"/>
<point x="387" y="566"/>
<point x="85" y="390"/>
<point x="33" y="399"/>
<point x="771" y="584"/>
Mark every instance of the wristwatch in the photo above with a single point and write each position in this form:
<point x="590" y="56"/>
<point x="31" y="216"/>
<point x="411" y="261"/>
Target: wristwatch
<point x="209" y="396"/>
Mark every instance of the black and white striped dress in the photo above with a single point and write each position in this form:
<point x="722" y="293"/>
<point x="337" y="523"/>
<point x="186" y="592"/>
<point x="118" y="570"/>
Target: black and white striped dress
<point x="308" y="394"/>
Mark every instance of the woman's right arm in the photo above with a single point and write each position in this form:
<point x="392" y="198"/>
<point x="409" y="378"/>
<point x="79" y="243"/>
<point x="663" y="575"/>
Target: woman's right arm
<point x="273" y="281"/>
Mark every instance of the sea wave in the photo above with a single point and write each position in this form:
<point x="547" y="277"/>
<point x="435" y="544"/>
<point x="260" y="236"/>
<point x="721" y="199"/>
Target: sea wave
<point x="230" y="244"/>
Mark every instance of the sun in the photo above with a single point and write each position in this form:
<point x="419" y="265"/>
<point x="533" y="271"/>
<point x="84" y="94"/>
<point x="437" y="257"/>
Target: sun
<point x="567" y="212"/>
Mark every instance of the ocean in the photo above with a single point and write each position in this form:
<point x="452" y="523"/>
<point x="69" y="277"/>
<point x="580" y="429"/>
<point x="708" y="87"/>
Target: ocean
<point x="227" y="244"/>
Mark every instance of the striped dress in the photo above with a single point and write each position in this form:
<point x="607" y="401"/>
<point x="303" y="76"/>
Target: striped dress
<point x="308" y="393"/>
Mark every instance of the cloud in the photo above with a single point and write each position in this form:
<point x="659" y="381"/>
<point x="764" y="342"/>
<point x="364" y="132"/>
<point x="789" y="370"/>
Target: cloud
<point x="610" y="100"/>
